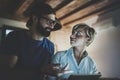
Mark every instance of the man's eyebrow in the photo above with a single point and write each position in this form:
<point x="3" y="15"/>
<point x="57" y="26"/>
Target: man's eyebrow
<point x="50" y="18"/>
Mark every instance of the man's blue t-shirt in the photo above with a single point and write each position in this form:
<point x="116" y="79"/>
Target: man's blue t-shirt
<point x="31" y="53"/>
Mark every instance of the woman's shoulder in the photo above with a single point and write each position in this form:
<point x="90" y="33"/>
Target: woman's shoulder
<point x="90" y="59"/>
<point x="62" y="53"/>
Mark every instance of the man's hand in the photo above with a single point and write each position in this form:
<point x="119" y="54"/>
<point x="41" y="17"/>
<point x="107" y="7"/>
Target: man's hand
<point x="64" y="70"/>
<point x="51" y="69"/>
<point x="55" y="70"/>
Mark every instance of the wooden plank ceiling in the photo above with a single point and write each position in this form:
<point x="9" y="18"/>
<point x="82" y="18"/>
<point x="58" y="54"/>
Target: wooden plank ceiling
<point x="68" y="11"/>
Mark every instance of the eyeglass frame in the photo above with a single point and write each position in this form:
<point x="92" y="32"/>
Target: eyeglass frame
<point x="49" y="21"/>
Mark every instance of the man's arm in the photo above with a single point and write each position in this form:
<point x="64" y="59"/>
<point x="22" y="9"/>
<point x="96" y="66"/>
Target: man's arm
<point x="7" y="61"/>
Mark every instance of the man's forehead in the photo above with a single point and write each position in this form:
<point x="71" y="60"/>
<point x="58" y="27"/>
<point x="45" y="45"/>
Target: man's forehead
<point x="50" y="16"/>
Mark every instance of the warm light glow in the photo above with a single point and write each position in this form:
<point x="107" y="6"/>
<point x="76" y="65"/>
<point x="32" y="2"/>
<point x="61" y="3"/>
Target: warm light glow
<point x="91" y="20"/>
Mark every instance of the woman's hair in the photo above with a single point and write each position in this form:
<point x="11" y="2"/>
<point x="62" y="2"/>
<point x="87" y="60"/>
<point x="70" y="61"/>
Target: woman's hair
<point x="89" y="31"/>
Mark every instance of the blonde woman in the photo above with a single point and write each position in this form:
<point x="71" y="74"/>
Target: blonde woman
<point x="76" y="58"/>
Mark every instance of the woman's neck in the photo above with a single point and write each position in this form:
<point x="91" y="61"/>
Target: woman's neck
<point x="78" y="51"/>
<point x="78" y="54"/>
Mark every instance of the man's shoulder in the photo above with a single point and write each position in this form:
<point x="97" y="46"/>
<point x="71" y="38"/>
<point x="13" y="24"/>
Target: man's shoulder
<point x="21" y="31"/>
<point x="17" y="32"/>
<point x="48" y="41"/>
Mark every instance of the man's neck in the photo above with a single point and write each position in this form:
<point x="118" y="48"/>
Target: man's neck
<point x="35" y="36"/>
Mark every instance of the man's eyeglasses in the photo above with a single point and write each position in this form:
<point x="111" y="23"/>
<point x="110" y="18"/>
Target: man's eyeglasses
<point x="49" y="21"/>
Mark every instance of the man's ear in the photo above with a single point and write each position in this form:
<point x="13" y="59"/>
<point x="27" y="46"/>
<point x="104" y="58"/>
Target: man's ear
<point x="35" y="19"/>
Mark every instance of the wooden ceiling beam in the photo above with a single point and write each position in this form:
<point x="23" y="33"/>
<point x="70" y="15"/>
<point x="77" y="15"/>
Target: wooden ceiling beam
<point x="64" y="3"/>
<point x="86" y="11"/>
<point x="57" y="4"/>
<point x="103" y="11"/>
<point x="24" y="7"/>
<point x="70" y="7"/>
<point x="80" y="7"/>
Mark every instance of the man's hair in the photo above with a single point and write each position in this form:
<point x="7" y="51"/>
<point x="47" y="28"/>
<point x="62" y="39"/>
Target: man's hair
<point x="89" y="31"/>
<point x="41" y="9"/>
<point x="38" y="9"/>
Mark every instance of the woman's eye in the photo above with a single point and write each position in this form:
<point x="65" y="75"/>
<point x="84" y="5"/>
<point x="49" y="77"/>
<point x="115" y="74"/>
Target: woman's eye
<point x="79" y="33"/>
<point x="73" y="32"/>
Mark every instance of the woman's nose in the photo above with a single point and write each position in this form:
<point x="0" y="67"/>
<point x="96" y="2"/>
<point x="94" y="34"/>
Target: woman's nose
<point x="72" y="36"/>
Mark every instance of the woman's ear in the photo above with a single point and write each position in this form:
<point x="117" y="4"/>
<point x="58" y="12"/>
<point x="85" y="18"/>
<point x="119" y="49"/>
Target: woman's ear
<point x="88" y="40"/>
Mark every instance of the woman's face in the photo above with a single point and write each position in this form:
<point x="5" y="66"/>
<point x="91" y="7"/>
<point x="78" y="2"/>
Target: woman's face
<point x="78" y="38"/>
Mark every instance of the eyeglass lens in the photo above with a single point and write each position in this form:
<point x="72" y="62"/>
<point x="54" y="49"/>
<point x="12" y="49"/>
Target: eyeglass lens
<point x="50" y="21"/>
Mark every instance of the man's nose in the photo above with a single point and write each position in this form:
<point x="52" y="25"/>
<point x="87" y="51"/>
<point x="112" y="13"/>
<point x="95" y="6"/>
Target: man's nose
<point x="51" y="26"/>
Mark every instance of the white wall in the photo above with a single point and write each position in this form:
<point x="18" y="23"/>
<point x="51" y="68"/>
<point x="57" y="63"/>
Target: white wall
<point x="61" y="38"/>
<point x="106" y="47"/>
<point x="10" y="22"/>
<point x="105" y="51"/>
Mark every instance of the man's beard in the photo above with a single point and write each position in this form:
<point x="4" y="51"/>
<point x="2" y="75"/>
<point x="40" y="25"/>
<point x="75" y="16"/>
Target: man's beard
<point x="43" y="31"/>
